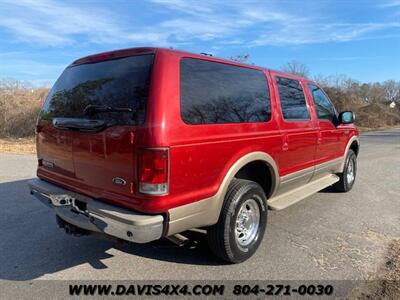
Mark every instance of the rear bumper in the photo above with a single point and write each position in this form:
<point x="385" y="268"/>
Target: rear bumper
<point x="93" y="215"/>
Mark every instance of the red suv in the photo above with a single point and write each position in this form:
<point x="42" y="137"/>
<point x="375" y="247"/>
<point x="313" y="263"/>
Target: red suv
<point x="147" y="143"/>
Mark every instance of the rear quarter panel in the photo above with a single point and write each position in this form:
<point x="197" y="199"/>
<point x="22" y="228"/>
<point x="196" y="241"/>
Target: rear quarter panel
<point x="201" y="155"/>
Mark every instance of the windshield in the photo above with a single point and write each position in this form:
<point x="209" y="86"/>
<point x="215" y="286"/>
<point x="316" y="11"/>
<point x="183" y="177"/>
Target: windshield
<point x="120" y="83"/>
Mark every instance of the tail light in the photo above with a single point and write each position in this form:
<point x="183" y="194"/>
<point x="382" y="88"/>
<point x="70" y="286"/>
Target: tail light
<point x="154" y="171"/>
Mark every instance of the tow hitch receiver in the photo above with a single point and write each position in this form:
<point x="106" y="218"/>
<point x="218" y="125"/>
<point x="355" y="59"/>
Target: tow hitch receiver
<point x="66" y="200"/>
<point x="61" y="200"/>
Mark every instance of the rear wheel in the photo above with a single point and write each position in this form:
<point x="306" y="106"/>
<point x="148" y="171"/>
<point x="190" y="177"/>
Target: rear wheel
<point x="348" y="176"/>
<point x="242" y="222"/>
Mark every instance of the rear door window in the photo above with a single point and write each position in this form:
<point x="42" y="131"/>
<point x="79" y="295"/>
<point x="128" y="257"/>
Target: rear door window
<point x="214" y="93"/>
<point x="117" y="83"/>
<point x="292" y="99"/>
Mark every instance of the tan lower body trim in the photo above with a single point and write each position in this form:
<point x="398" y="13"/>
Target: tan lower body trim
<point x="198" y="214"/>
<point x="294" y="180"/>
<point x="206" y="211"/>
<point x="329" y="167"/>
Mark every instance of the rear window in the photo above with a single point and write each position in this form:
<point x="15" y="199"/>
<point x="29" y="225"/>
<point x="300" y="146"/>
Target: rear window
<point x="219" y="93"/>
<point x="118" y="83"/>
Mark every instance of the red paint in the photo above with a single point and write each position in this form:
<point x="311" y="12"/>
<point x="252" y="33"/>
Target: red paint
<point x="199" y="155"/>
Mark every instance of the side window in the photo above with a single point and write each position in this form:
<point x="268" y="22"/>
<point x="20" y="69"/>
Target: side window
<point x="323" y="106"/>
<point x="214" y="93"/>
<point x="293" y="101"/>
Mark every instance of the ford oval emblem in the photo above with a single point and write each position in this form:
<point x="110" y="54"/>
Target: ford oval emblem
<point x="119" y="181"/>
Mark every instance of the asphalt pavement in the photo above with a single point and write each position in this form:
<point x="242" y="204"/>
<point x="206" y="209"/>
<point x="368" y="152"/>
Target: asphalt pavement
<point x="326" y="236"/>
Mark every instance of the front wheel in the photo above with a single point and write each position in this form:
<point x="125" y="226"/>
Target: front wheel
<point x="242" y="222"/>
<point x="348" y="176"/>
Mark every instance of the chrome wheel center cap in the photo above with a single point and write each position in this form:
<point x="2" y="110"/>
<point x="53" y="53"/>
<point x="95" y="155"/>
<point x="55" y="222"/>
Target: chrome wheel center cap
<point x="247" y="222"/>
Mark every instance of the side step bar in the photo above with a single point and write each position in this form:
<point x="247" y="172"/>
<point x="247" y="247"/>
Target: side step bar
<point x="294" y="196"/>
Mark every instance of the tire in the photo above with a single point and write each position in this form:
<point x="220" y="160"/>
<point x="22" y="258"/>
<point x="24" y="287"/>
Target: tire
<point x="236" y="238"/>
<point x="347" y="180"/>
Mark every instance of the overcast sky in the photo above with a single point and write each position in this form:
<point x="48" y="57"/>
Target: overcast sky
<point x="359" y="38"/>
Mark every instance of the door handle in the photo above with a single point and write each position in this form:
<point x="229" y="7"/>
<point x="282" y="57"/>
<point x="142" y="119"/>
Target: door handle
<point x="285" y="147"/>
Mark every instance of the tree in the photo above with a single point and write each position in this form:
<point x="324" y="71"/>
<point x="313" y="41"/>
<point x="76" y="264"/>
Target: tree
<point x="297" y="68"/>
<point x="242" y="58"/>
<point x="392" y="91"/>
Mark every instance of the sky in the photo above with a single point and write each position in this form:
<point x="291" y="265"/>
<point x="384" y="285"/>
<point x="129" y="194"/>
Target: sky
<point x="358" y="38"/>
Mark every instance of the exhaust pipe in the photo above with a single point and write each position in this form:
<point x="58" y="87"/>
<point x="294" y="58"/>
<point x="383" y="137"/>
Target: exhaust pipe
<point x="178" y="239"/>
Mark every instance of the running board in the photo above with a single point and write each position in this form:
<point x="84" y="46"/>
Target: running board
<point x="294" y="196"/>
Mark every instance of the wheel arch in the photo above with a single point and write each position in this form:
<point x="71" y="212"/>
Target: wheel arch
<point x="260" y="171"/>
<point x="206" y="212"/>
<point x="353" y="144"/>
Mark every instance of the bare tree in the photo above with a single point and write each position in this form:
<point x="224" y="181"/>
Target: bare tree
<point x="297" y="68"/>
<point x="392" y="90"/>
<point x="242" y="58"/>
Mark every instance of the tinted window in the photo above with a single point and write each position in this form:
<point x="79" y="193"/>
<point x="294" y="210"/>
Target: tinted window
<point x="121" y="83"/>
<point x="293" y="102"/>
<point x="324" y="107"/>
<point x="219" y="93"/>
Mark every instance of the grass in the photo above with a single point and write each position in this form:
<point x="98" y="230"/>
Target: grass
<point x="18" y="146"/>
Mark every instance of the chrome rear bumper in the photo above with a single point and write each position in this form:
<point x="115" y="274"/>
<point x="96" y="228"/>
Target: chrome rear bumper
<point x="93" y="215"/>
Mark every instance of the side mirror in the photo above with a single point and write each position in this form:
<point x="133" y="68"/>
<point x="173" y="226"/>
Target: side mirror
<point x="347" y="117"/>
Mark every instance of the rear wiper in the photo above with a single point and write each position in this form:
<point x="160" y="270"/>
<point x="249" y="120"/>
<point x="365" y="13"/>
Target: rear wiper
<point x="90" y="110"/>
<point x="79" y="124"/>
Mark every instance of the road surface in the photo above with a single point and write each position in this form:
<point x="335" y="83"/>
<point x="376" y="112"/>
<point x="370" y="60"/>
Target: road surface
<point x="326" y="236"/>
